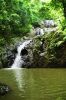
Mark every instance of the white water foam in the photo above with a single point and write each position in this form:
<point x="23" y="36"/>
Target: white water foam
<point x="18" y="60"/>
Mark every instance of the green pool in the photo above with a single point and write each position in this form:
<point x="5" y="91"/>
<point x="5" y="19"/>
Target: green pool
<point x="34" y="84"/>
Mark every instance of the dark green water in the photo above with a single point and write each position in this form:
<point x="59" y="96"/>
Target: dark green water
<point x="34" y="84"/>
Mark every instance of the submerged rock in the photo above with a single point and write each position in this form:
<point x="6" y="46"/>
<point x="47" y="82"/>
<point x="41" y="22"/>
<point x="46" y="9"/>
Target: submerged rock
<point x="4" y="89"/>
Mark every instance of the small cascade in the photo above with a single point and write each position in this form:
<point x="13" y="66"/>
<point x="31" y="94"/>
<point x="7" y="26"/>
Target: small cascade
<point x="18" y="60"/>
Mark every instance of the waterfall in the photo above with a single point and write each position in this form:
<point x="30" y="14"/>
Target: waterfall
<point x="18" y="60"/>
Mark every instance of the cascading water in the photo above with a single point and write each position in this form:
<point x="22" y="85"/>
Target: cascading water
<point x="18" y="60"/>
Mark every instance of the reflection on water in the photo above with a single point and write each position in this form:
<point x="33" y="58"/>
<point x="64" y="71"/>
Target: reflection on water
<point x="35" y="84"/>
<point x="18" y="74"/>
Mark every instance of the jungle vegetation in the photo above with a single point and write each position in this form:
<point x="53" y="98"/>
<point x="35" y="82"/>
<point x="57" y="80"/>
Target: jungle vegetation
<point x="18" y="16"/>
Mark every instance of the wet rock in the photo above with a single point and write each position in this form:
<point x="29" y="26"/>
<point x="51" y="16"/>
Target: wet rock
<point x="24" y="52"/>
<point x="39" y="31"/>
<point x="27" y="57"/>
<point x="7" y="58"/>
<point x="4" y="89"/>
<point x="50" y="30"/>
<point x="49" y="23"/>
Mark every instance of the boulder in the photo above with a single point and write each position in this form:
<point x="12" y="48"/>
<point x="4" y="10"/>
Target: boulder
<point x="4" y="89"/>
<point x="48" y="23"/>
<point x="39" y="31"/>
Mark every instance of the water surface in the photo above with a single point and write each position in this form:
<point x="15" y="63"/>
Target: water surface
<point x="34" y="84"/>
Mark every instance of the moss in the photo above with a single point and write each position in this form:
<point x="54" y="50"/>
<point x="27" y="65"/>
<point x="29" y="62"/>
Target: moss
<point x="54" y="45"/>
<point x="59" y="43"/>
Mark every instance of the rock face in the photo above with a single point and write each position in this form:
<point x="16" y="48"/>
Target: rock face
<point x="27" y="55"/>
<point x="8" y="57"/>
<point x="24" y="54"/>
<point x="4" y="89"/>
<point x="27" y="58"/>
<point x="46" y="50"/>
<point x="53" y="52"/>
<point x="49" y="49"/>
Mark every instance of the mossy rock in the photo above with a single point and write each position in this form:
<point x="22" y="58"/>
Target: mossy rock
<point x="4" y="89"/>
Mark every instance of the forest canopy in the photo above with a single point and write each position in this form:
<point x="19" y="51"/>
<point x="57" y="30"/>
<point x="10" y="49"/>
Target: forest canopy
<point x="16" y="16"/>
